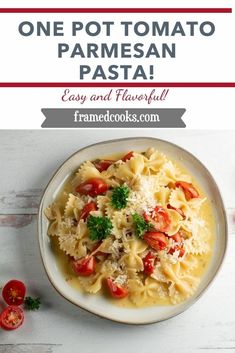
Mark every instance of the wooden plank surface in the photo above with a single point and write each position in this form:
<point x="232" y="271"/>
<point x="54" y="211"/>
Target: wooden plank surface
<point x="29" y="348"/>
<point x="27" y="160"/>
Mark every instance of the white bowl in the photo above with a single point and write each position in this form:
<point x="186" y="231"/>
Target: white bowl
<point x="95" y="303"/>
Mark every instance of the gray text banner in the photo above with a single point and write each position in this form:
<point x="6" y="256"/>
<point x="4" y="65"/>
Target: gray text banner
<point x="113" y="118"/>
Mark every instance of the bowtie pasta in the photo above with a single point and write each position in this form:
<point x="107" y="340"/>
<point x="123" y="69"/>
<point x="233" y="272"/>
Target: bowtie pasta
<point x="134" y="227"/>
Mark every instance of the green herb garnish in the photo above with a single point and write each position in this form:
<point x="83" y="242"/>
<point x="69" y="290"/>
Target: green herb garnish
<point x="99" y="227"/>
<point x="119" y="197"/>
<point x="141" y="226"/>
<point x="32" y="303"/>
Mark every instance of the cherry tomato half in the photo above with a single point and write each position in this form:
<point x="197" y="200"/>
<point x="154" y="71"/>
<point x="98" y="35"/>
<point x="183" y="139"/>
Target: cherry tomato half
<point x="92" y="187"/>
<point x="14" y="292"/>
<point x="148" y="262"/>
<point x="176" y="209"/>
<point x="11" y="318"/>
<point x="176" y="237"/>
<point x="177" y="248"/>
<point x="159" y="218"/>
<point x="116" y="291"/>
<point x="96" y="252"/>
<point x="102" y="164"/>
<point x="189" y="190"/>
<point x="156" y="240"/>
<point x="128" y="156"/>
<point x="90" y="206"/>
<point x="85" y="266"/>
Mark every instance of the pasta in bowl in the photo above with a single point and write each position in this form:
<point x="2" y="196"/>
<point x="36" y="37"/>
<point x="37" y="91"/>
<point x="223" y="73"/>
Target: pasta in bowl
<point x="136" y="227"/>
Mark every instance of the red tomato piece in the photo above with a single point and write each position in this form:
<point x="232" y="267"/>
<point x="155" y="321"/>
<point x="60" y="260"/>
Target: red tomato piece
<point x="189" y="190"/>
<point x="159" y="218"/>
<point x="177" y="248"/>
<point x="156" y="240"/>
<point x="96" y="246"/>
<point x="181" y="212"/>
<point x="92" y="187"/>
<point x="176" y="237"/>
<point x="96" y="252"/>
<point x="90" y="206"/>
<point x="102" y="164"/>
<point x="14" y="292"/>
<point x="148" y="262"/>
<point x="11" y="318"/>
<point x="116" y="291"/>
<point x="85" y="266"/>
<point x="128" y="156"/>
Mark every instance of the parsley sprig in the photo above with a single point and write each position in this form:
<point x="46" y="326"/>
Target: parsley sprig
<point x="141" y="226"/>
<point x="32" y="303"/>
<point x="99" y="227"/>
<point x="119" y="197"/>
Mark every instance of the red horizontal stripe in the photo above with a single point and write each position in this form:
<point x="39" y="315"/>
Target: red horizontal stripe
<point x="115" y="84"/>
<point x="115" y="10"/>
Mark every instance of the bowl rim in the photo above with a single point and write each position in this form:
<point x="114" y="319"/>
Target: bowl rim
<point x="107" y="317"/>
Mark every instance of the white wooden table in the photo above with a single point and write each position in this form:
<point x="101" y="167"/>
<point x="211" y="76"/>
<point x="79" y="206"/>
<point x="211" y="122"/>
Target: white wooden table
<point x="27" y="160"/>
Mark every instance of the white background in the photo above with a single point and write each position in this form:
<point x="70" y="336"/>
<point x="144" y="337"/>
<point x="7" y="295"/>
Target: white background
<point x="198" y="59"/>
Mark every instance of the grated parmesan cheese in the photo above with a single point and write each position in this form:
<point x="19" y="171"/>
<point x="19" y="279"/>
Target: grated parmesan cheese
<point x="143" y="200"/>
<point x="114" y="248"/>
<point x="120" y="280"/>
